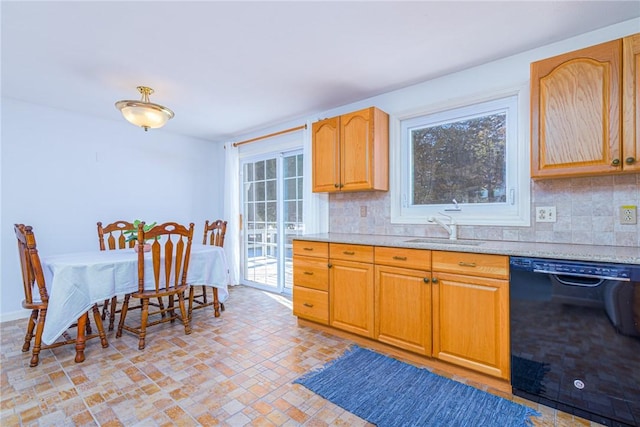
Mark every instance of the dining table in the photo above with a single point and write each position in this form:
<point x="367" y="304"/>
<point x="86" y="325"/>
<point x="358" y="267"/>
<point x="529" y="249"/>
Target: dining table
<point x="78" y="280"/>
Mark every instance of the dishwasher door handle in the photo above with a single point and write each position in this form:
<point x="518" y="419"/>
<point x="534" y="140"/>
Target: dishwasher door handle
<point x="591" y="276"/>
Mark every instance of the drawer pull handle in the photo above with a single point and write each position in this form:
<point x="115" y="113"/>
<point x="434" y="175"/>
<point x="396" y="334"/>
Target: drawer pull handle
<point x="307" y="249"/>
<point x="400" y="258"/>
<point x="466" y="264"/>
<point x="306" y="304"/>
<point x="309" y="273"/>
<point x="349" y="253"/>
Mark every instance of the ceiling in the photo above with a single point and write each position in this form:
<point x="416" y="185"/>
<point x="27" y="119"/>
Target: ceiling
<point x="230" y="68"/>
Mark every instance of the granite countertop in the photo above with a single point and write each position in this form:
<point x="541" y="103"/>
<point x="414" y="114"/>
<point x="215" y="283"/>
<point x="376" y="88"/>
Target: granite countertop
<point x="617" y="254"/>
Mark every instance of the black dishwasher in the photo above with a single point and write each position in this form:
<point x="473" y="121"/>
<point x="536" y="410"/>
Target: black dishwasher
<point x="575" y="337"/>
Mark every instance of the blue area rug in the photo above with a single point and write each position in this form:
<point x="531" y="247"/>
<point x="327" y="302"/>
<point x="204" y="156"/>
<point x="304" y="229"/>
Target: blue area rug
<point x="389" y="393"/>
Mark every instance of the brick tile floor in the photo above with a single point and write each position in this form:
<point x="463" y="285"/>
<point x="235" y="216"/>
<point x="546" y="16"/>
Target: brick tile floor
<point x="235" y="370"/>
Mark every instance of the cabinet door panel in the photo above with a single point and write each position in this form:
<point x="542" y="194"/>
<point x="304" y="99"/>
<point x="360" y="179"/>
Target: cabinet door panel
<point x="631" y="104"/>
<point x="351" y="297"/>
<point x="471" y="323"/>
<point x="356" y="150"/>
<point x="403" y="308"/>
<point x="575" y="112"/>
<point x="311" y="304"/>
<point x="349" y="252"/>
<point x="311" y="272"/>
<point x="419" y="259"/>
<point x="311" y="248"/>
<point x="326" y="155"/>
<point x="472" y="264"/>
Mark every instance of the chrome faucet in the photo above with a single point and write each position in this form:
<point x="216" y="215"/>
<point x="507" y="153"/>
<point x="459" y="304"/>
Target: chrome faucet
<point x="451" y="228"/>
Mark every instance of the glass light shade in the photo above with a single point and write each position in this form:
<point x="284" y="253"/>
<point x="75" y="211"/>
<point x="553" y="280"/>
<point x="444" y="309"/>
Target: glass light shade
<point x="143" y="113"/>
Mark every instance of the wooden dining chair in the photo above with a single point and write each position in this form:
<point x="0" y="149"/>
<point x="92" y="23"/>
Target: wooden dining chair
<point x="32" y="280"/>
<point x="165" y="273"/>
<point x="214" y="233"/>
<point x="112" y="237"/>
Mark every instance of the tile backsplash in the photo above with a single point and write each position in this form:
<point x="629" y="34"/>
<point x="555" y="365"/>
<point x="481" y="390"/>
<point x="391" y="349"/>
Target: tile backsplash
<point x="587" y="212"/>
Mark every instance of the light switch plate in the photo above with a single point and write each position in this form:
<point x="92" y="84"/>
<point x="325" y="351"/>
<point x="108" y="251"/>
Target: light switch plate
<point x="546" y="214"/>
<point x="628" y="214"/>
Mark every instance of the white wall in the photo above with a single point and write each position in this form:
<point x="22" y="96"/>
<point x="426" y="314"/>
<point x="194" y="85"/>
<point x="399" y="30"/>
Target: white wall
<point x="62" y="172"/>
<point x="583" y="217"/>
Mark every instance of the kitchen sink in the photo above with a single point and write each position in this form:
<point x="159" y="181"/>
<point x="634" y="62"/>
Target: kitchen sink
<point x="446" y="242"/>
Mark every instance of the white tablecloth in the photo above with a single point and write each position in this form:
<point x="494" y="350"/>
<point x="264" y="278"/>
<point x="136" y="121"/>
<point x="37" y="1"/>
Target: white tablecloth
<point x="76" y="281"/>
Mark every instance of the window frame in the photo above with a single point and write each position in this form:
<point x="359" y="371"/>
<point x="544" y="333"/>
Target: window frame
<point x="515" y="211"/>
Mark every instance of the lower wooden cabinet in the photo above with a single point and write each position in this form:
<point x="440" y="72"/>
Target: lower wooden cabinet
<point x="351" y="296"/>
<point x="351" y="303"/>
<point x="448" y="305"/>
<point x="471" y="313"/>
<point x="311" y="281"/>
<point x="403" y="308"/>
<point x="311" y="304"/>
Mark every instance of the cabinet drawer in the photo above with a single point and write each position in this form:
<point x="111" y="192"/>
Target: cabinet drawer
<point x="418" y="259"/>
<point x="471" y="264"/>
<point x="311" y="272"/>
<point x="311" y="304"/>
<point x="309" y="248"/>
<point x="359" y="253"/>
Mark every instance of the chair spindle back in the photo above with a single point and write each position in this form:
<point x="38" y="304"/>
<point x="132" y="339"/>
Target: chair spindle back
<point x="170" y="253"/>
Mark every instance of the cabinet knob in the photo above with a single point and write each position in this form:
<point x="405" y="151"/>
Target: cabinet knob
<point x="434" y="280"/>
<point x="329" y="265"/>
<point x="630" y="160"/>
<point x="426" y="280"/>
<point x="336" y="185"/>
<point x="615" y="162"/>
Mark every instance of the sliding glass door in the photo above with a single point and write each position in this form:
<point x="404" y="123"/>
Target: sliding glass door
<point x="272" y="216"/>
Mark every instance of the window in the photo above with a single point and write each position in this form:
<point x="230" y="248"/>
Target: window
<point x="465" y="162"/>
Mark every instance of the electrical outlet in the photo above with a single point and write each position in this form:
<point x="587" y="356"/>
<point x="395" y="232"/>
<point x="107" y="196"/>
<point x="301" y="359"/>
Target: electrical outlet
<point x="628" y="214"/>
<point x="363" y="211"/>
<point x="546" y="214"/>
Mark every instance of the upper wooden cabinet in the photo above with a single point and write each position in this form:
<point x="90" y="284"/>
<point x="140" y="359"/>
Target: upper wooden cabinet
<point x="631" y="103"/>
<point x="580" y="102"/>
<point x="351" y="152"/>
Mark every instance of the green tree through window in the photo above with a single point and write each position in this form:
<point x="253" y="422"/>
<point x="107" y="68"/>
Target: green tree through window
<point x="462" y="160"/>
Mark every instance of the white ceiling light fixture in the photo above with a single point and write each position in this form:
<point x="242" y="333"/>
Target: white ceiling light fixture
<point x="144" y="113"/>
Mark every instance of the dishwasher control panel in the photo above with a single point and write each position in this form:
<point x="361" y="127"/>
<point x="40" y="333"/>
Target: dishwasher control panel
<point x="573" y="268"/>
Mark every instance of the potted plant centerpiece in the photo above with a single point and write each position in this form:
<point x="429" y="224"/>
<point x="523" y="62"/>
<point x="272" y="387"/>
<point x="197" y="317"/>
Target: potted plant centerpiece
<point x="133" y="235"/>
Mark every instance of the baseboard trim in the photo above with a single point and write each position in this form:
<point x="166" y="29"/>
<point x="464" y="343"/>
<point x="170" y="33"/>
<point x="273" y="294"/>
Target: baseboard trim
<point x="14" y="315"/>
